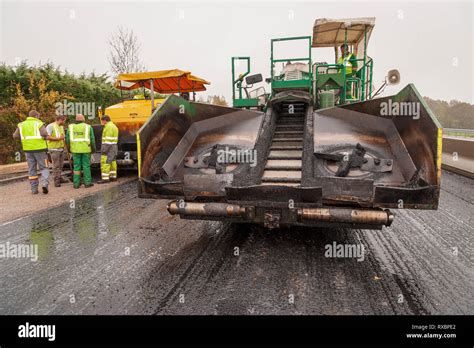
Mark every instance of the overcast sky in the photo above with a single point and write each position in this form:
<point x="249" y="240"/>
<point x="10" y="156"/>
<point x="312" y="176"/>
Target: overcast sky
<point x="431" y="43"/>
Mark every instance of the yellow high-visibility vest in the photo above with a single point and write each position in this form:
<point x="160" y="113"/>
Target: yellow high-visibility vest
<point x="110" y="133"/>
<point x="31" y="138"/>
<point x="57" y="132"/>
<point x="347" y="63"/>
<point x="79" y="137"/>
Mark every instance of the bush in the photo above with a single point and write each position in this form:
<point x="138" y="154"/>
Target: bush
<point x="8" y="145"/>
<point x="24" y="87"/>
<point x="454" y="114"/>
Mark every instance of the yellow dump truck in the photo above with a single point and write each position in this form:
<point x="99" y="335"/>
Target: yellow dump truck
<point x="130" y="115"/>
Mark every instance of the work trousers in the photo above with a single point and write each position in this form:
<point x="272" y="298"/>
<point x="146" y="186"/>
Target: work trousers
<point x="37" y="160"/>
<point x="108" y="161"/>
<point x="57" y="157"/>
<point x="82" y="161"/>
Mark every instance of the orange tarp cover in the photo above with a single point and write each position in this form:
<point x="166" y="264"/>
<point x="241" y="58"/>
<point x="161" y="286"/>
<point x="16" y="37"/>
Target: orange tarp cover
<point x="164" y="81"/>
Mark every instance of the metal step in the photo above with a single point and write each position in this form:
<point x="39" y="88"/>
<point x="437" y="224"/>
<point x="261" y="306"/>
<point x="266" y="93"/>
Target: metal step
<point x="290" y="117"/>
<point x="285" y="157"/>
<point x="277" y="137"/>
<point x="294" y="137"/>
<point x="282" y="174"/>
<point x="289" y="127"/>
<point x="282" y="140"/>
<point x="278" y="143"/>
<point x="289" y="122"/>
<point x="280" y="184"/>
<point x="284" y="161"/>
<point x="285" y="154"/>
<point x="281" y="180"/>
<point x="291" y="114"/>
<point x="289" y="132"/>
<point x="283" y="168"/>
<point x="289" y="147"/>
<point x="278" y="162"/>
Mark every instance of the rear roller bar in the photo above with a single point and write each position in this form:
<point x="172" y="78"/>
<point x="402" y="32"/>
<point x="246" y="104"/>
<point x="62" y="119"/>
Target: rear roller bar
<point x="331" y="215"/>
<point x="345" y="215"/>
<point x="206" y="209"/>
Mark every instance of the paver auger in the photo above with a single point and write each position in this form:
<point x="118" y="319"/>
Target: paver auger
<point x="317" y="150"/>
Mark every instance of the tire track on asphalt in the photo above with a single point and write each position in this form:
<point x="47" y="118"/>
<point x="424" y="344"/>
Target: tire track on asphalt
<point x="200" y="267"/>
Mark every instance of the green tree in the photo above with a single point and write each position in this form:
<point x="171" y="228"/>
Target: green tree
<point x="24" y="87"/>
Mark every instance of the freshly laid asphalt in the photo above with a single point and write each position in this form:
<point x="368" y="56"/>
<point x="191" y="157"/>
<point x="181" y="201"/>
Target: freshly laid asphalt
<point x="114" y="253"/>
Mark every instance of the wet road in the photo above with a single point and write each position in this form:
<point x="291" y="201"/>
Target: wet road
<point x="113" y="253"/>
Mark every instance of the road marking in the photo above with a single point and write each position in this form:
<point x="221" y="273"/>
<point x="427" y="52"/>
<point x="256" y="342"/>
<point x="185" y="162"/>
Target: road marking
<point x="12" y="221"/>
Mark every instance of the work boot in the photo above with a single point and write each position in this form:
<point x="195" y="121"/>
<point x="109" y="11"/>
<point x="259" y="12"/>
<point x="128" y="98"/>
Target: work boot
<point x="63" y="181"/>
<point x="57" y="184"/>
<point x="45" y="190"/>
<point x="88" y="185"/>
<point x="103" y="182"/>
<point x="113" y="179"/>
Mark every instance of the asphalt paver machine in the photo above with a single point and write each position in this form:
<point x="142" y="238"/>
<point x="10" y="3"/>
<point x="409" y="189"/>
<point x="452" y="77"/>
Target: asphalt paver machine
<point x="319" y="148"/>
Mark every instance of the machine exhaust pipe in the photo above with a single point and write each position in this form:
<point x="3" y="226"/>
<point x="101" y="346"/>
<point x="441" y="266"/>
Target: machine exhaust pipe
<point x="346" y="215"/>
<point x="205" y="209"/>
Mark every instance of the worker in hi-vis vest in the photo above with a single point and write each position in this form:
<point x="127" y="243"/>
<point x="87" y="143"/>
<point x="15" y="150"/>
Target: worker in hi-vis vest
<point x="33" y="136"/>
<point x="349" y="61"/>
<point x="81" y="142"/>
<point x="109" y="149"/>
<point x="56" y="148"/>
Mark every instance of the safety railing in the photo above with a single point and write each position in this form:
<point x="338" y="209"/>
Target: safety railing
<point x="257" y="92"/>
<point x="458" y="132"/>
<point x="360" y="83"/>
<point x="298" y="59"/>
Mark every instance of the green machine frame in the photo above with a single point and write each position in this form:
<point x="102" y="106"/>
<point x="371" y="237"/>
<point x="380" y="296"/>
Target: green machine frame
<point x="278" y="85"/>
<point x="362" y="80"/>
<point x="326" y="77"/>
<point x="241" y="101"/>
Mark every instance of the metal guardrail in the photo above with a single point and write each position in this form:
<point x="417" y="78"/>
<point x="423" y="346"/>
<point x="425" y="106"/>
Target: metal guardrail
<point x="21" y="175"/>
<point x="7" y="179"/>
<point x="458" y="130"/>
<point x="458" y="153"/>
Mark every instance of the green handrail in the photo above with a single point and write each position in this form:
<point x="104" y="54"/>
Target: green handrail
<point x="240" y="79"/>
<point x="308" y="58"/>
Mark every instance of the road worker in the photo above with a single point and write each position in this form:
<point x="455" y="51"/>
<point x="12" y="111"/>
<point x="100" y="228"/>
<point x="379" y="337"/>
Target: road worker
<point x="109" y="149"/>
<point x="33" y="136"/>
<point x="81" y="142"/>
<point x="349" y="60"/>
<point x="56" y="148"/>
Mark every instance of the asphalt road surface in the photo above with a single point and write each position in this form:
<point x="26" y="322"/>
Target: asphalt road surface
<point x="113" y="253"/>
